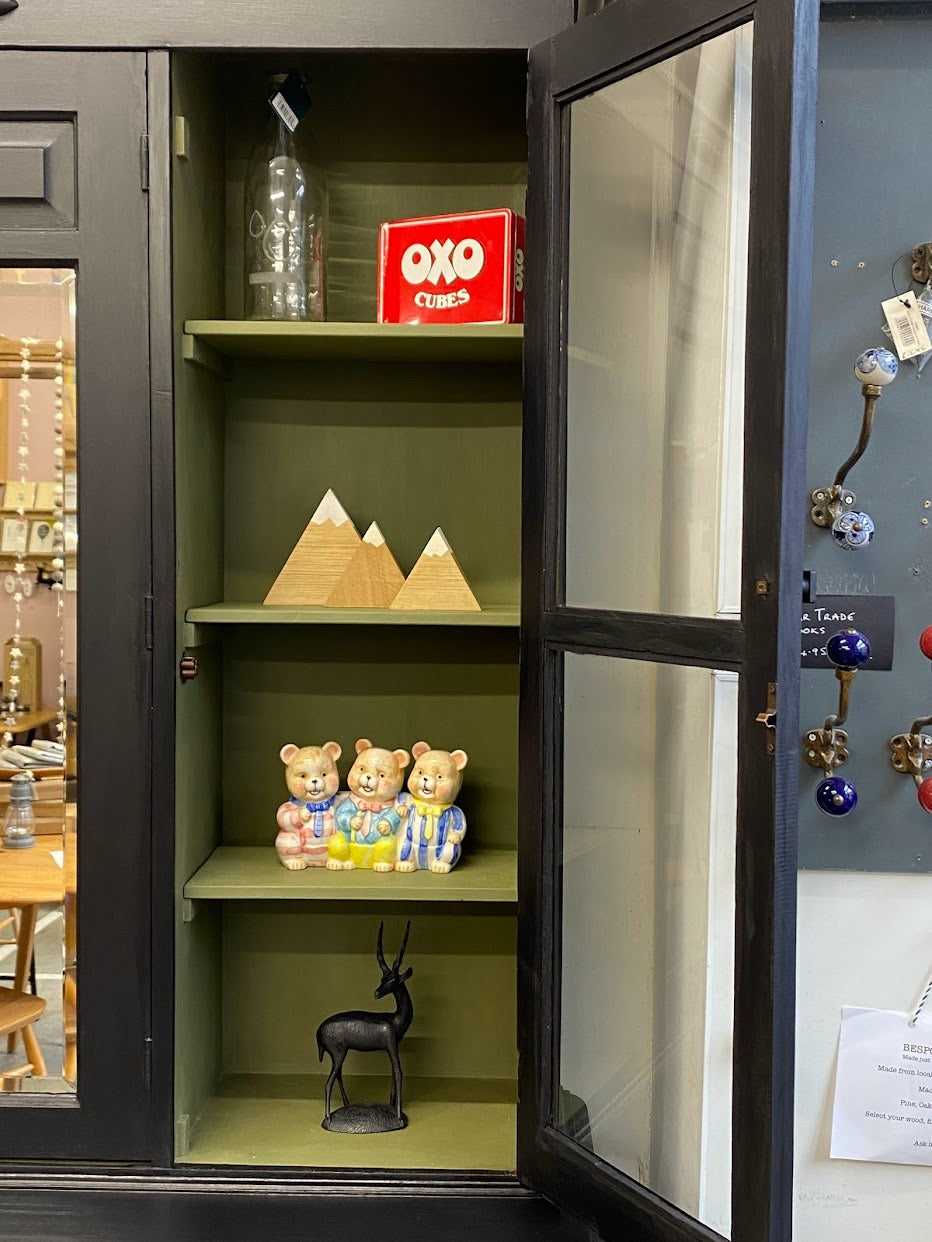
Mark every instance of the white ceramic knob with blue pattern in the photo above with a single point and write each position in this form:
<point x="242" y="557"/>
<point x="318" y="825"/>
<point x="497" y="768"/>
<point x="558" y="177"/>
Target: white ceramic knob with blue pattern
<point x="853" y="529"/>
<point x="876" y="366"/>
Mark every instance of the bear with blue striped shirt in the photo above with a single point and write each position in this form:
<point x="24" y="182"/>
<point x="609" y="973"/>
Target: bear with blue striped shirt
<point x="432" y="826"/>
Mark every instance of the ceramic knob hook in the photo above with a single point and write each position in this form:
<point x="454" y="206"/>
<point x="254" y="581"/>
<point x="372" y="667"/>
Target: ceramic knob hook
<point x="833" y="507"/>
<point x="827" y="748"/>
<point x="911" y="753"/>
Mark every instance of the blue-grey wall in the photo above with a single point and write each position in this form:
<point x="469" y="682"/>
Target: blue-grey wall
<point x="873" y="203"/>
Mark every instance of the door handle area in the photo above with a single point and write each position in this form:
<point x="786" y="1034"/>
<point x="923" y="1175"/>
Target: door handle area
<point x="7" y="6"/>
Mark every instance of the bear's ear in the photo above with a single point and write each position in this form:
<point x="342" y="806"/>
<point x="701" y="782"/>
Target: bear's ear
<point x="363" y="744"/>
<point x="419" y="748"/>
<point x="333" y="749"/>
<point x="402" y="758"/>
<point x="288" y="752"/>
<point x="460" y="759"/>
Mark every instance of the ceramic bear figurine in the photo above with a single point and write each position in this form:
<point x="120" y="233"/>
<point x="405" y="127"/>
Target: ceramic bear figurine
<point x="306" y="821"/>
<point x="367" y="820"/>
<point x="432" y="827"/>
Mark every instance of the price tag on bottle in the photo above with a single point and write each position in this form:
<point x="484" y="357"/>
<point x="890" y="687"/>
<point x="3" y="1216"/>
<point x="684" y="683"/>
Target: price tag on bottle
<point x="291" y="100"/>
<point x="907" y="326"/>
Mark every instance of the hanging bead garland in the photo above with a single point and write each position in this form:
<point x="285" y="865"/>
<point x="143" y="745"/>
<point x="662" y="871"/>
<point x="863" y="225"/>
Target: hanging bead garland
<point x="58" y="529"/>
<point x="12" y="691"/>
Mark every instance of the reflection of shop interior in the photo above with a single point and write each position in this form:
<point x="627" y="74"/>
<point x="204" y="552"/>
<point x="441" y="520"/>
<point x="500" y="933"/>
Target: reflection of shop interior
<point x="37" y="932"/>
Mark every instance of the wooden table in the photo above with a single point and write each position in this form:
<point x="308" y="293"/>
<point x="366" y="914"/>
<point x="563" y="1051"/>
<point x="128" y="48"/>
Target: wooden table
<point x="31" y="878"/>
<point x="29" y="722"/>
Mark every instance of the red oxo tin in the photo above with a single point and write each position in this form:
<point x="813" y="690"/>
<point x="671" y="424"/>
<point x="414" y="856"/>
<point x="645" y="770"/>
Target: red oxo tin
<point x="467" y="268"/>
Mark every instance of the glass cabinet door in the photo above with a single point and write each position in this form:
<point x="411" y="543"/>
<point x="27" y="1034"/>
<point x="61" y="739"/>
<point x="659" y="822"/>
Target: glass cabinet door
<point x="664" y="417"/>
<point x="74" y="660"/>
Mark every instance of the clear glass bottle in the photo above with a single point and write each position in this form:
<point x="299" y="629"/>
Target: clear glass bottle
<point x="19" y="826"/>
<point x="283" y="233"/>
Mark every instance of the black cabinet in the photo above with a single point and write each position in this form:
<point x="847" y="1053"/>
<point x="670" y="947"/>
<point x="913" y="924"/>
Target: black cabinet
<point x="608" y="996"/>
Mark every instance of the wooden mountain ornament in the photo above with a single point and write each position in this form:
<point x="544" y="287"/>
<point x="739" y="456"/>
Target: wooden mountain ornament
<point x="372" y="579"/>
<point x="436" y="583"/>
<point x="319" y="559"/>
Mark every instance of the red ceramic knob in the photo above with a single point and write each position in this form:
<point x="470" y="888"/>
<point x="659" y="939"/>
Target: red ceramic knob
<point x="924" y="793"/>
<point x="925" y="642"/>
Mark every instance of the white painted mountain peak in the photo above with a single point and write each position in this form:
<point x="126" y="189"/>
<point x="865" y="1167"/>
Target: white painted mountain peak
<point x="437" y="545"/>
<point x="330" y="510"/>
<point x="374" y="536"/>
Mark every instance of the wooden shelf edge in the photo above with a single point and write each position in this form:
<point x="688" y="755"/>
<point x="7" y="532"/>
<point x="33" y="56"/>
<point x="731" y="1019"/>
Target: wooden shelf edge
<point x="205" y="339"/>
<point x="253" y="873"/>
<point x="491" y="616"/>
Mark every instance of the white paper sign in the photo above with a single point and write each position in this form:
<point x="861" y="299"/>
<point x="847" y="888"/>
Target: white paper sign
<point x="883" y="1088"/>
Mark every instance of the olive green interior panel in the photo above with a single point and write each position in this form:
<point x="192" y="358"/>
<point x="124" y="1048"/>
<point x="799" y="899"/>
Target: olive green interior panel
<point x="397" y="135"/>
<point x="197" y="211"/>
<point x="455" y="690"/>
<point x="286" y="968"/>
<point x="412" y="444"/>
<point x="410" y="447"/>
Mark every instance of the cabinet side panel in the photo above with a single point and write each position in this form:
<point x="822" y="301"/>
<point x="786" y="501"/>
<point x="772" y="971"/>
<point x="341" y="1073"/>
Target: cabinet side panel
<point x="197" y="214"/>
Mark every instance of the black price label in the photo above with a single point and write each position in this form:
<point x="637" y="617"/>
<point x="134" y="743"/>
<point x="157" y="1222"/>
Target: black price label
<point x="873" y="615"/>
<point x="291" y="100"/>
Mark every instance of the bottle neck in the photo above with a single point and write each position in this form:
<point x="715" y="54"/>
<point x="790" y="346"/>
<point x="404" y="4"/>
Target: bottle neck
<point x="280" y="137"/>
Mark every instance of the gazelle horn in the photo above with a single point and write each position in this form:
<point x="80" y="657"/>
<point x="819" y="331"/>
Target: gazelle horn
<point x="401" y="952"/>
<point x="380" y="956"/>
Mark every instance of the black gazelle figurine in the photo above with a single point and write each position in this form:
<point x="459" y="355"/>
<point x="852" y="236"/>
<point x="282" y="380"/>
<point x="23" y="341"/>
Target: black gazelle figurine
<point x="358" y="1030"/>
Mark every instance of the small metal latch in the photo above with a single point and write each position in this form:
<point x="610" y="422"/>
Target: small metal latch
<point x="768" y="718"/>
<point x="188" y="667"/>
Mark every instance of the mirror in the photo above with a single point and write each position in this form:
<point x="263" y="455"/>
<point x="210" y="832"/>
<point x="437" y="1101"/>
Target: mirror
<point x="38" y="657"/>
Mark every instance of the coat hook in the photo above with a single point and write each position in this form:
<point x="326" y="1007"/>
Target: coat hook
<point x="911" y="753"/>
<point x="834" y="506"/>
<point x="827" y="748"/>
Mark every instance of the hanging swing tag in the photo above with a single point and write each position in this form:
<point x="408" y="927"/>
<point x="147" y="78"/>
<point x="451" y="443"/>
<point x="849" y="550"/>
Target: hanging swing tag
<point x="291" y="100"/>
<point x="907" y="325"/>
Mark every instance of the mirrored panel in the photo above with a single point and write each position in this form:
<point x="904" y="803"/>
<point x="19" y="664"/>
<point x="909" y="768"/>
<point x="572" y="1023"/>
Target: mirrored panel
<point x="659" y="185"/>
<point x="38" y="706"/>
<point x="648" y="891"/>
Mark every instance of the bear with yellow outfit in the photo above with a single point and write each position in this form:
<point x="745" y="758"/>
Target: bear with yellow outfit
<point x="367" y="821"/>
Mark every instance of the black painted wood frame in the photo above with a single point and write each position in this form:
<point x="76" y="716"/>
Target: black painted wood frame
<point x="104" y="100"/>
<point x="614" y="43"/>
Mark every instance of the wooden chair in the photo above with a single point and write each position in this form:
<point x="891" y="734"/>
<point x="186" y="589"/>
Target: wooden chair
<point x="18" y="1011"/>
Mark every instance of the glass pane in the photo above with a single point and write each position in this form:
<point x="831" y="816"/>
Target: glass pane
<point x="38" y="642"/>
<point x="659" y="183"/>
<point x="648" y="871"/>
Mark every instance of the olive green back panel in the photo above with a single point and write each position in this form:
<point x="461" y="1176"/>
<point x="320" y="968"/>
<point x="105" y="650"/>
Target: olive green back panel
<point x="453" y="689"/>
<point x="197" y="213"/>
<point x="410" y="447"/>
<point x="285" y="969"/>
<point x="397" y="136"/>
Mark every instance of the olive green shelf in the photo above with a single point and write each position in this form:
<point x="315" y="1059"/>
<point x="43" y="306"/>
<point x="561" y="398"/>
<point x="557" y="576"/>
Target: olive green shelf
<point x="495" y="615"/>
<point x="345" y="342"/>
<point x="249" y="872"/>
<point x="268" y="1119"/>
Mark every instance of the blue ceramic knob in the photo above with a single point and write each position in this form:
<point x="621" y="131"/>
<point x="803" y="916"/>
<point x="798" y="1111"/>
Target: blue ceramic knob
<point x="853" y="530"/>
<point x="876" y="366"/>
<point x="836" y="796"/>
<point x="848" y="649"/>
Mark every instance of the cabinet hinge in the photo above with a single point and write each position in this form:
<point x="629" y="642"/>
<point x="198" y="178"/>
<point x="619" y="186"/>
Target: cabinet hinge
<point x="144" y="160"/>
<point x="149" y="623"/>
<point x="147" y="1060"/>
<point x="768" y="717"/>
